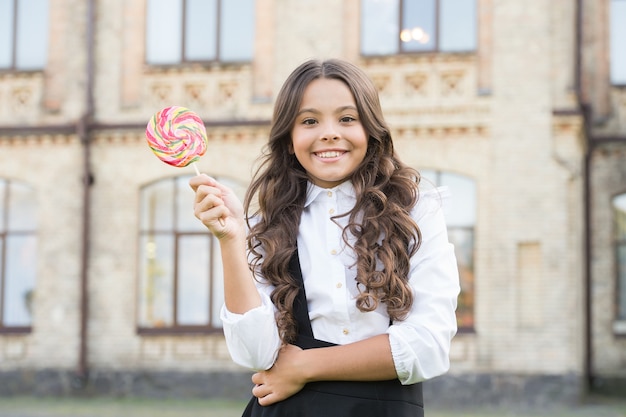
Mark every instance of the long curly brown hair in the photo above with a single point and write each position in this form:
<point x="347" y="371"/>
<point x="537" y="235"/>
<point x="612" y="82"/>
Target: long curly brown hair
<point x="386" y="192"/>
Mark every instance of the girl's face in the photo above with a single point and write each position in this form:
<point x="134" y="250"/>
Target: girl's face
<point x="328" y="138"/>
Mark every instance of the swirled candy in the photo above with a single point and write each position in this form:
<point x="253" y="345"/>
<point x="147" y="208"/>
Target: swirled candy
<point x="177" y="136"/>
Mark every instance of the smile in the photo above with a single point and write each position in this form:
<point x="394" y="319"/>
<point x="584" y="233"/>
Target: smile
<point x="329" y="154"/>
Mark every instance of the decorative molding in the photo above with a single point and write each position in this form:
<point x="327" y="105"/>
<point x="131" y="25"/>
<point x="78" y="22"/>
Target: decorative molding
<point x="443" y="131"/>
<point x="33" y="140"/>
<point x="214" y="134"/>
<point x="21" y="95"/>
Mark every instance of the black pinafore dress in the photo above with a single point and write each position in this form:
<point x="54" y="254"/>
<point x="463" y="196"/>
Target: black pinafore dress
<point x="338" y="398"/>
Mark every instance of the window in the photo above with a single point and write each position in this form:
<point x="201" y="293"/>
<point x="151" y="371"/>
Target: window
<point x="23" y="34"/>
<point x="461" y="221"/>
<point x="619" y="216"/>
<point x="199" y="31"/>
<point x="618" y="42"/>
<point x="407" y="26"/>
<point x="18" y="255"/>
<point x="180" y="275"/>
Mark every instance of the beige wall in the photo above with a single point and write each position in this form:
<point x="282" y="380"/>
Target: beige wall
<point x="489" y="116"/>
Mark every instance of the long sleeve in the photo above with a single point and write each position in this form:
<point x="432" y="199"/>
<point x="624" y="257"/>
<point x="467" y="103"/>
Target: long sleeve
<point x="252" y="338"/>
<point x="420" y="344"/>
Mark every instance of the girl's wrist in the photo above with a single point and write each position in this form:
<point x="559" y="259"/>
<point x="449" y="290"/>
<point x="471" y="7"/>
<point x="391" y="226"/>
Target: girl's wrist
<point x="308" y="365"/>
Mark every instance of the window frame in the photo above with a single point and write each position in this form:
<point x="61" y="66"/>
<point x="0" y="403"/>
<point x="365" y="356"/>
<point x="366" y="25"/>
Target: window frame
<point x="182" y="60"/>
<point x="176" y="234"/>
<point x="15" y="43"/>
<point x="437" y="182"/>
<point x="400" y="51"/>
<point x="619" y="244"/>
<point x="622" y="47"/>
<point x="5" y="233"/>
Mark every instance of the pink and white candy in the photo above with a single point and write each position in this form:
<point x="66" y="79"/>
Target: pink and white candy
<point x="177" y="136"/>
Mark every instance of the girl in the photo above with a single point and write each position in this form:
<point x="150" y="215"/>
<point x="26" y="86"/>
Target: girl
<point x="340" y="284"/>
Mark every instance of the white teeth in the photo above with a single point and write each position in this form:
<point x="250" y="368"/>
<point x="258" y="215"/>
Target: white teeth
<point x="329" y="154"/>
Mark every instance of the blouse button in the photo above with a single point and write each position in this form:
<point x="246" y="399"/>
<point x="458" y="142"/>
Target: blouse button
<point x="333" y="252"/>
<point x="331" y="211"/>
<point x="339" y="285"/>
<point x="346" y="331"/>
<point x="329" y="193"/>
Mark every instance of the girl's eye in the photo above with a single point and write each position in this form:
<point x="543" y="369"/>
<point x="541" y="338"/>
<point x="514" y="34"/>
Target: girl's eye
<point x="308" y="121"/>
<point x="347" y="119"/>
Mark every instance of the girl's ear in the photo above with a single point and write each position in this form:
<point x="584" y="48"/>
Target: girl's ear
<point x="290" y="148"/>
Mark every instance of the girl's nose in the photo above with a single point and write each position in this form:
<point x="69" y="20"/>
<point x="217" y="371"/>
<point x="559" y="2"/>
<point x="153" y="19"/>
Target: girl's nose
<point x="330" y="132"/>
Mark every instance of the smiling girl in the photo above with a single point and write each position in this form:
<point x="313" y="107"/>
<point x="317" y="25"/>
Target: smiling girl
<point x="340" y="284"/>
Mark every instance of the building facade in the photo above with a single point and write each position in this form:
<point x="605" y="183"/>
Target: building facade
<point x="110" y="286"/>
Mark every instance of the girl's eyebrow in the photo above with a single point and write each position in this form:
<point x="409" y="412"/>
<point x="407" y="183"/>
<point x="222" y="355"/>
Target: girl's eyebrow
<point x="315" y="111"/>
<point x="306" y="110"/>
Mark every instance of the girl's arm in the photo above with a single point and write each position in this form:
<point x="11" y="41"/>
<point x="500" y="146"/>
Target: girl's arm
<point x="366" y="360"/>
<point x="221" y="212"/>
<point x="248" y="317"/>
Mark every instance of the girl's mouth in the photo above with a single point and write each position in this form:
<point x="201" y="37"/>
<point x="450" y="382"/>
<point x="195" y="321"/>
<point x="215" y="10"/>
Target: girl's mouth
<point x="329" y="154"/>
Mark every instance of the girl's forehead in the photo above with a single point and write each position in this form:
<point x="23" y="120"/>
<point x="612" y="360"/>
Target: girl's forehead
<point x="327" y="90"/>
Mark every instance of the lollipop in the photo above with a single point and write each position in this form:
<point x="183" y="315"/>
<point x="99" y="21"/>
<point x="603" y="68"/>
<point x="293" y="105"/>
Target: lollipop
<point x="177" y="136"/>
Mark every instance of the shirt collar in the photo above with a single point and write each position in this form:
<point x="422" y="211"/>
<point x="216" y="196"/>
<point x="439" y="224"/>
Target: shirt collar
<point x="313" y="191"/>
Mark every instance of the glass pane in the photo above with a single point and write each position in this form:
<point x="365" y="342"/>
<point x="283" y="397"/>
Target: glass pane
<point x="21" y="265"/>
<point x="3" y="188"/>
<point x="186" y="221"/>
<point x="462" y="208"/>
<point x="457" y="31"/>
<point x="461" y="211"/>
<point x="22" y="208"/>
<point x="619" y="210"/>
<point x="6" y="33"/>
<point x="217" y="285"/>
<point x="618" y="41"/>
<point x="164" y="33"/>
<point x="418" y="25"/>
<point x="379" y="27"/>
<point x="157" y="206"/>
<point x="463" y="241"/>
<point x="193" y="280"/>
<point x="156" y="281"/>
<point x="621" y="271"/>
<point x="32" y="34"/>
<point x="237" y="30"/>
<point x="201" y="30"/>
<point x="238" y="188"/>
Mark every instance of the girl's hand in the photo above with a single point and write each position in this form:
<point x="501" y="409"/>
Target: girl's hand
<point x="282" y="380"/>
<point x="217" y="207"/>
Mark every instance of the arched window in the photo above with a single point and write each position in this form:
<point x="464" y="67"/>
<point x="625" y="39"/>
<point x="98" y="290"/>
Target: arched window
<point x="619" y="216"/>
<point x="180" y="274"/>
<point x="18" y="255"/>
<point x="461" y="222"/>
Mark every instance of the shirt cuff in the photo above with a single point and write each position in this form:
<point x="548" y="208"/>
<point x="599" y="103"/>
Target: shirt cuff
<point x="252" y="338"/>
<point x="413" y="366"/>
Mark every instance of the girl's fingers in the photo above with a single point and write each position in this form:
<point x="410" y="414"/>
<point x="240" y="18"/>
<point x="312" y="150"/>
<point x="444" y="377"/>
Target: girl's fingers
<point x="214" y="203"/>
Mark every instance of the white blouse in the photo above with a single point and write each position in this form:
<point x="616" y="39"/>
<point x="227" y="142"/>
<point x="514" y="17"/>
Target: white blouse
<point x="420" y="344"/>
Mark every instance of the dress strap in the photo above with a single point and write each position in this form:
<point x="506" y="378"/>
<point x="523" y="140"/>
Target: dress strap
<point x="305" y="339"/>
